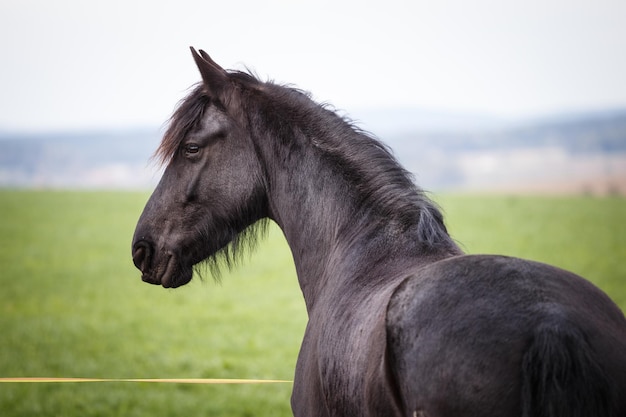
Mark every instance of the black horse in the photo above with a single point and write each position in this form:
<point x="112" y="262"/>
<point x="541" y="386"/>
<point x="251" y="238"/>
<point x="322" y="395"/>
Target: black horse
<point x="401" y="323"/>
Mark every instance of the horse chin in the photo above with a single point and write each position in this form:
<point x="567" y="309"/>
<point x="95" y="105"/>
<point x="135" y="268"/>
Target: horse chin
<point x="177" y="280"/>
<point x="169" y="273"/>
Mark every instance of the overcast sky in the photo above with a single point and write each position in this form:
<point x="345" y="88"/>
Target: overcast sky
<point x="73" y="64"/>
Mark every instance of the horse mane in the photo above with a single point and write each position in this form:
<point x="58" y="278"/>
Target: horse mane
<point x="369" y="165"/>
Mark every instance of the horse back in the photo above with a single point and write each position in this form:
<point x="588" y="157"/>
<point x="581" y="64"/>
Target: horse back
<point x="491" y="335"/>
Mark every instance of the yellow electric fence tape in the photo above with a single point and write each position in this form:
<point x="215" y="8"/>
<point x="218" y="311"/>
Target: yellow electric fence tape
<point x="162" y="381"/>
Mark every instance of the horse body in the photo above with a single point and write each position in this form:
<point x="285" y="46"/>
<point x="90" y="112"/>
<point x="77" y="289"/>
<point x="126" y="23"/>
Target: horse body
<point x="462" y="336"/>
<point x="401" y="322"/>
<point x="478" y="335"/>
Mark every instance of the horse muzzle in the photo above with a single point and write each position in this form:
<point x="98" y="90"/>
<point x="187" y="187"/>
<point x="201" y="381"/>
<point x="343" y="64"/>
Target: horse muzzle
<point x="161" y="268"/>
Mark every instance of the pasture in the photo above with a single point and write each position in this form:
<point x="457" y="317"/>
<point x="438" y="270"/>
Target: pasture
<point x="72" y="304"/>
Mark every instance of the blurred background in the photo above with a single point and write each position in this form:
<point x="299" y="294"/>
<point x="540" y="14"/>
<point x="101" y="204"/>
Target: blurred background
<point x="481" y="99"/>
<point x="484" y="95"/>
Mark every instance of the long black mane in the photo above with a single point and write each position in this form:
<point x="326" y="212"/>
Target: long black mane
<point x="369" y="165"/>
<point x="290" y="118"/>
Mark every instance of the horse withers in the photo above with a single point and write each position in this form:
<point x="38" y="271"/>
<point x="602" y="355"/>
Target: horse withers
<point x="401" y="322"/>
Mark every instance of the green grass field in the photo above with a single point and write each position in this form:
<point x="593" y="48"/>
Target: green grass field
<point x="73" y="305"/>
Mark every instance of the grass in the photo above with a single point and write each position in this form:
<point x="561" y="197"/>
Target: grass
<point x="72" y="303"/>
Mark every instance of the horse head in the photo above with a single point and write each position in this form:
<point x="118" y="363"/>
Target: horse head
<point x="211" y="189"/>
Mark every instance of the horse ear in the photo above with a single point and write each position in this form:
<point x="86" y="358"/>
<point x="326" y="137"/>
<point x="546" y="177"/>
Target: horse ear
<point x="215" y="77"/>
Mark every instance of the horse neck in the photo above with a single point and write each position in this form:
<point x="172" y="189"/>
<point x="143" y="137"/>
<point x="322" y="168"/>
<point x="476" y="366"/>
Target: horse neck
<point x="307" y="208"/>
<point x="321" y="213"/>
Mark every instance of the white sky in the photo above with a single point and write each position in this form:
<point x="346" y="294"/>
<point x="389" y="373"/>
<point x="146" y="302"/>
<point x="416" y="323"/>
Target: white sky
<point x="70" y="64"/>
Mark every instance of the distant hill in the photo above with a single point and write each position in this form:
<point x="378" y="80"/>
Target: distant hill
<point x="583" y="132"/>
<point x="116" y="159"/>
<point x="569" y="153"/>
<point x="574" y="153"/>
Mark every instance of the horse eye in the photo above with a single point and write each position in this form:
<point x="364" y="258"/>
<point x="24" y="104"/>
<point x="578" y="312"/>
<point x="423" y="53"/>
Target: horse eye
<point x="191" y="148"/>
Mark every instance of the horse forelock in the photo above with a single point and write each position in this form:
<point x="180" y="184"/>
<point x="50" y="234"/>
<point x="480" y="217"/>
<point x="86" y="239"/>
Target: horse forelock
<point x="191" y="108"/>
<point x="187" y="115"/>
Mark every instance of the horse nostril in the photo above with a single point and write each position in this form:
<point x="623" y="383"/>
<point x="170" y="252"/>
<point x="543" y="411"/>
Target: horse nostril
<point x="142" y="255"/>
